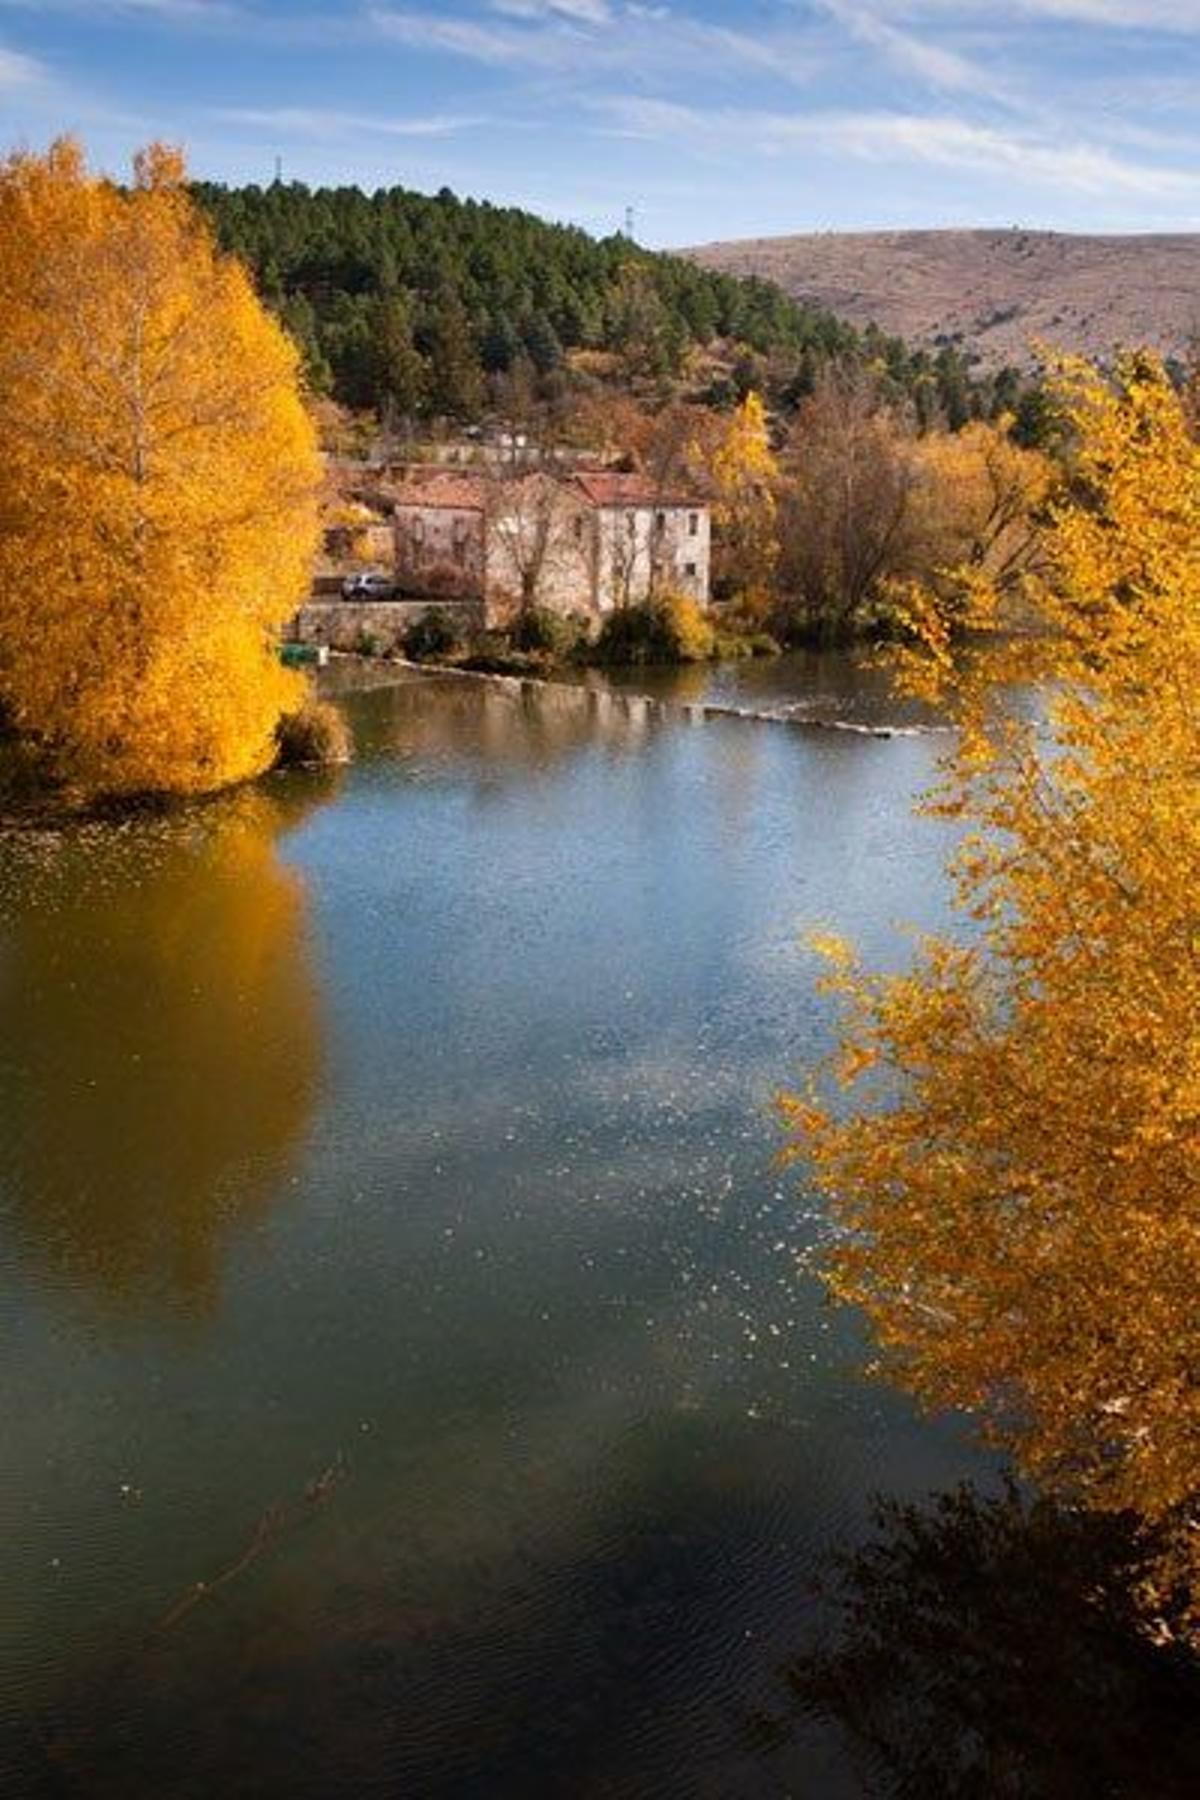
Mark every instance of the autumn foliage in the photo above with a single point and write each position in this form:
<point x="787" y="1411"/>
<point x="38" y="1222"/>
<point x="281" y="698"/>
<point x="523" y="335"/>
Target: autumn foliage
<point x="867" y="502"/>
<point x="743" y="475"/>
<point x="1009" y="1138"/>
<point x="157" y="485"/>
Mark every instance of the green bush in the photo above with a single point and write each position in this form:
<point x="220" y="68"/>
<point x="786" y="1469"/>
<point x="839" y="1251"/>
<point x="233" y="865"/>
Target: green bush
<point x="316" y="733"/>
<point x="732" y="646"/>
<point x="432" y="637"/>
<point x="674" y="629"/>
<point x="539" y="632"/>
<point x="492" y="653"/>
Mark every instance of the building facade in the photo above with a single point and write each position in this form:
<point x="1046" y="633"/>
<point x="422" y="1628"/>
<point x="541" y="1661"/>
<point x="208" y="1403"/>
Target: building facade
<point x="578" y="543"/>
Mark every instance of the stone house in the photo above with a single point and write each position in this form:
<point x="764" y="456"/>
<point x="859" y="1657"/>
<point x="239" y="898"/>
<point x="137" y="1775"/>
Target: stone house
<point x="643" y="540"/>
<point x="440" y="537"/>
<point x="580" y="543"/>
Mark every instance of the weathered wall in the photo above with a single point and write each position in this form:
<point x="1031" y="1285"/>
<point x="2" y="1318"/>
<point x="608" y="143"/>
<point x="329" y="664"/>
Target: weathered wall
<point x="653" y="549"/>
<point x="565" y="572"/>
<point x="440" y="550"/>
<point x="683" y="551"/>
<point x="348" y="624"/>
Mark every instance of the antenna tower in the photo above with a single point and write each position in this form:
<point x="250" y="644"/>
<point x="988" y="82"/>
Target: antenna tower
<point x="630" y="224"/>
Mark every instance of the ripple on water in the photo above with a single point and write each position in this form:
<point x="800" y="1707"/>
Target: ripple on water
<point x="422" y="1123"/>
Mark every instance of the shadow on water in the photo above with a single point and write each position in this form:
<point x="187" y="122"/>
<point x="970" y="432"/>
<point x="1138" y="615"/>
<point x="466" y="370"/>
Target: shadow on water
<point x="505" y="1467"/>
<point x="980" y="1648"/>
<point x="161" y="1047"/>
<point x="984" y="1648"/>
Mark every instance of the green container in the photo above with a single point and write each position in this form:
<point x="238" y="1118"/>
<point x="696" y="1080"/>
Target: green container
<point x="302" y="656"/>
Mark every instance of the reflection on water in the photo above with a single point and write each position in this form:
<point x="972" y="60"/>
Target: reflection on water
<point x="818" y="687"/>
<point x="161" y="1042"/>
<point x="984" y="1646"/>
<point x="509" y="726"/>
<point x="506" y="1432"/>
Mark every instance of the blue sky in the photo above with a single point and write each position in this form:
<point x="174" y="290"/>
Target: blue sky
<point x="713" y="119"/>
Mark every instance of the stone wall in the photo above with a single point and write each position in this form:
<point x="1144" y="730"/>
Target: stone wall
<point x="439" y="549"/>
<point x="350" y="624"/>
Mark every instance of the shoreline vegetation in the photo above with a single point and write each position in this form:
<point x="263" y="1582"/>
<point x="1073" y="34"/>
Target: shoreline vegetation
<point x="170" y="437"/>
<point x="159" y="480"/>
<point x="1004" y="1135"/>
<point x="314" y="737"/>
<point x="665" y="632"/>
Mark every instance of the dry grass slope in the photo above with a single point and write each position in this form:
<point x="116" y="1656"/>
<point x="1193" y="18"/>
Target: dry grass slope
<point x="991" y="292"/>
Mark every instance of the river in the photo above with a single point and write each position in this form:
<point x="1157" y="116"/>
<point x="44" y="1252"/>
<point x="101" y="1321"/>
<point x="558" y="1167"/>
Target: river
<point x="414" y="1382"/>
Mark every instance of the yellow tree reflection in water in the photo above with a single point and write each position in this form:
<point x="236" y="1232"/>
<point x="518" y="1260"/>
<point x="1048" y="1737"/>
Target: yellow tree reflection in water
<point x="160" y="1055"/>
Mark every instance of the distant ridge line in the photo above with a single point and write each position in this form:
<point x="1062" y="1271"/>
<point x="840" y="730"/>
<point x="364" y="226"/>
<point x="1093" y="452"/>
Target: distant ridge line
<point x="987" y="291"/>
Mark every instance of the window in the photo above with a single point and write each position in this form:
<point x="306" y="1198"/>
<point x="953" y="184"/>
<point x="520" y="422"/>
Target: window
<point x="693" y="524"/>
<point x="578" y="526"/>
<point x="689" y="570"/>
<point x="660" y="521"/>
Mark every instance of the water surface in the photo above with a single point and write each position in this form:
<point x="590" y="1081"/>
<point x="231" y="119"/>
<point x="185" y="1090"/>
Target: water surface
<point x="413" y="1382"/>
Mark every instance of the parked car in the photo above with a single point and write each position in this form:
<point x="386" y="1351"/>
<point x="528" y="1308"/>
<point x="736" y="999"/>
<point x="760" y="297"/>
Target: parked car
<point x="368" y="587"/>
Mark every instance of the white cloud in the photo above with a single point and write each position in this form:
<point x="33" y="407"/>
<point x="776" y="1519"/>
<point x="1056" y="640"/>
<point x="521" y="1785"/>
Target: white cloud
<point x="1180" y="16"/>
<point x="935" y="64"/>
<point x="17" y="71"/>
<point x="941" y="140"/>
<point x="585" y="12"/>
<point x="305" y="121"/>
<point x="650" y="43"/>
<point x="186" y="11"/>
<point x="457" y="37"/>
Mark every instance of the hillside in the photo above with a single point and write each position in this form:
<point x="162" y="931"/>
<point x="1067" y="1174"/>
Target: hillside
<point x="988" y="292"/>
<point x="421" y="305"/>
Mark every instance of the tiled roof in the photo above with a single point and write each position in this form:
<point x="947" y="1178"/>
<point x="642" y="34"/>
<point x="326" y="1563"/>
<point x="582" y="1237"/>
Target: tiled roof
<point x="599" y="488"/>
<point x="609" y="487"/>
<point x="457" y="493"/>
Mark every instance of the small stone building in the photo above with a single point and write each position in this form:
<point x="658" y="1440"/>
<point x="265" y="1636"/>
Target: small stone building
<point x="586" y="542"/>
<point x="644" y="541"/>
<point x="440" y="537"/>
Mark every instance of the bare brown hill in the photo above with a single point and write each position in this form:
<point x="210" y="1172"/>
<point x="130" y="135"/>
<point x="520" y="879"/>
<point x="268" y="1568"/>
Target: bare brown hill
<point x="990" y="292"/>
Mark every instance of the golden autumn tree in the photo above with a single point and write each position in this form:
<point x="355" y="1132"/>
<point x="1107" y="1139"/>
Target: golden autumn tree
<point x="158" y="481"/>
<point x="977" y="502"/>
<point x="1010" y="1141"/>
<point x="744" y="471"/>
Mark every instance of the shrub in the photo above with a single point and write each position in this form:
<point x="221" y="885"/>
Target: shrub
<point x="492" y="653"/>
<point x="538" y="631"/>
<point x="674" y="629"/>
<point x="691" y="627"/>
<point x="316" y="733"/>
<point x="431" y="637"/>
<point x="732" y="646"/>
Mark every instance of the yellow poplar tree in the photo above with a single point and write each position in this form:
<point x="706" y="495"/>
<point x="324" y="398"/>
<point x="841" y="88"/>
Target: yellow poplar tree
<point x="744" y="473"/>
<point x="158" y="480"/>
<point x="976" y="501"/>
<point x="1008" y="1137"/>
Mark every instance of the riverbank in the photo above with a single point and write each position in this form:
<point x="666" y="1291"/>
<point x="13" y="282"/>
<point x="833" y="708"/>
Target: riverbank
<point x="314" y="736"/>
